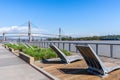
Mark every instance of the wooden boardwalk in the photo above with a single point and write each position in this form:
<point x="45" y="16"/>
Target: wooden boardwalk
<point x="77" y="70"/>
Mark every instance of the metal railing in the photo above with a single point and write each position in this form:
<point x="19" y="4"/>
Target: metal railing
<point x="103" y="49"/>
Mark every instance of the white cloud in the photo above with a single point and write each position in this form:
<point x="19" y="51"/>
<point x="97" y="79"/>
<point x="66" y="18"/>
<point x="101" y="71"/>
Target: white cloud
<point x="24" y="31"/>
<point x="20" y="29"/>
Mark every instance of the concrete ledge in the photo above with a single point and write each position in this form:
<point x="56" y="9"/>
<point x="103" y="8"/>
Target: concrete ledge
<point x="22" y="55"/>
<point x="26" y="58"/>
<point x="16" y="52"/>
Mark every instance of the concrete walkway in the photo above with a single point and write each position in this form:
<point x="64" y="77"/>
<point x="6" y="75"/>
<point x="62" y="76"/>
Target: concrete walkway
<point x="13" y="68"/>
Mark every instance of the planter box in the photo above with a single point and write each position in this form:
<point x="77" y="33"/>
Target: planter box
<point x="16" y="52"/>
<point x="11" y="49"/>
<point x="26" y="58"/>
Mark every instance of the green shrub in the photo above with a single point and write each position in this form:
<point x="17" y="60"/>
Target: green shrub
<point x="37" y="53"/>
<point x="21" y="47"/>
<point x="35" y="46"/>
<point x="12" y="46"/>
<point x="15" y="47"/>
<point x="9" y="45"/>
<point x="66" y="52"/>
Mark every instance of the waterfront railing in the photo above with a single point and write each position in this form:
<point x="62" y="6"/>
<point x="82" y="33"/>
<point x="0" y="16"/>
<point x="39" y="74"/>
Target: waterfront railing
<point x="102" y="49"/>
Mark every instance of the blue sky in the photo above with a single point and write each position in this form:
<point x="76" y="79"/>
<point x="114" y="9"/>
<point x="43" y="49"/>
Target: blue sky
<point x="80" y="17"/>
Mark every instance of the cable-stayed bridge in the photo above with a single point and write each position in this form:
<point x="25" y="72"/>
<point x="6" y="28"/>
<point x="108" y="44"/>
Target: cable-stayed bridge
<point x="29" y="34"/>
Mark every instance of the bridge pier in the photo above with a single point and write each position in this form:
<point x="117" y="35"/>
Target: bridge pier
<point x="30" y="37"/>
<point x="3" y="36"/>
<point x="29" y="32"/>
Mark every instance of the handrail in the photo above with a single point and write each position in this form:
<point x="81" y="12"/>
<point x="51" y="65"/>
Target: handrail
<point x="70" y="46"/>
<point x="81" y="42"/>
<point x="110" y="45"/>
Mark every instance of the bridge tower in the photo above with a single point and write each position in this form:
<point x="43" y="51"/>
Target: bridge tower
<point x="60" y="34"/>
<point x="3" y="36"/>
<point x="29" y="32"/>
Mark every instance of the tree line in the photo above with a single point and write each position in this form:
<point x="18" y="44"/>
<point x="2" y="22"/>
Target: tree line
<point x="107" y="37"/>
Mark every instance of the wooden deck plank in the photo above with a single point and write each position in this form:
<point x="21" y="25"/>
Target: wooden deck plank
<point x="77" y="70"/>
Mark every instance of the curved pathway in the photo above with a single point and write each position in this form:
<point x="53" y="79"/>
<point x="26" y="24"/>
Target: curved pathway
<point x="14" y="68"/>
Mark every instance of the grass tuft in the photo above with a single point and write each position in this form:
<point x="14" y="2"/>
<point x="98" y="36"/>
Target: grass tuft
<point x="37" y="53"/>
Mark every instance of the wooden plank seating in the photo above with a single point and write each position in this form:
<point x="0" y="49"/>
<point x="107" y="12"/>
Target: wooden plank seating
<point x="63" y="57"/>
<point x="95" y="65"/>
<point x="78" y="70"/>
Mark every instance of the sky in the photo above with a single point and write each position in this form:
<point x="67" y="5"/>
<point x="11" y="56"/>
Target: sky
<point x="74" y="17"/>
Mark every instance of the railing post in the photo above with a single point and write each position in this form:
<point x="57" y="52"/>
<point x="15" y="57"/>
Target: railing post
<point x="44" y="44"/>
<point x="97" y="49"/>
<point x="58" y="45"/>
<point x="69" y="47"/>
<point x="54" y="43"/>
<point x="63" y="45"/>
<point x="76" y="48"/>
<point x="39" y="44"/>
<point x="111" y="50"/>
<point x="47" y="45"/>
